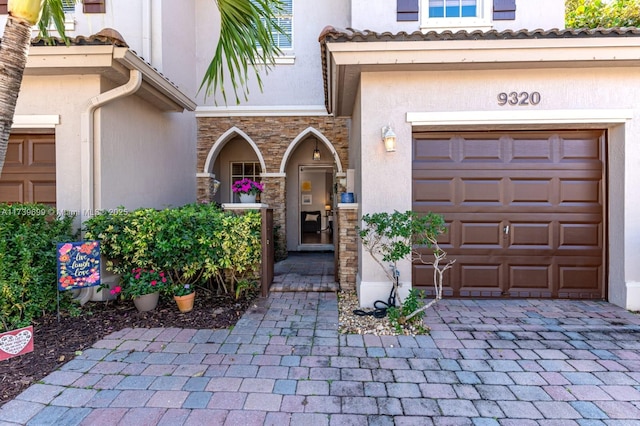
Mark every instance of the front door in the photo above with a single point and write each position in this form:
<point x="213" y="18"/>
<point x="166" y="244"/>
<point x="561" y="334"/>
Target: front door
<point x="525" y="211"/>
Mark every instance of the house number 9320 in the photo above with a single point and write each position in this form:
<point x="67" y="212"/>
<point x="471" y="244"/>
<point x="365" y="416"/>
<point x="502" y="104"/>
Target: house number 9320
<point x="519" y="98"/>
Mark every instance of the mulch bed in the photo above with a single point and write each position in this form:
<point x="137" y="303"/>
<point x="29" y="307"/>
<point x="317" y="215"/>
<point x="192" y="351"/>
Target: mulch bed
<point x="56" y="342"/>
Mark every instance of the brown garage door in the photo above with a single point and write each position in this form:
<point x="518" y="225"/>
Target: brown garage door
<point x="524" y="210"/>
<point x="29" y="172"/>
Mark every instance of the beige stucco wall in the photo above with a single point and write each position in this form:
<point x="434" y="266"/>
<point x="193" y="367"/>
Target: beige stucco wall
<point x="580" y="89"/>
<point x="147" y="161"/>
<point x="147" y="157"/>
<point x="297" y="83"/>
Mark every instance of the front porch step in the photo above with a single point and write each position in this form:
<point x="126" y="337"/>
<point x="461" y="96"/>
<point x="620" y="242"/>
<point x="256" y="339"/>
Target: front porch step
<point x="303" y="284"/>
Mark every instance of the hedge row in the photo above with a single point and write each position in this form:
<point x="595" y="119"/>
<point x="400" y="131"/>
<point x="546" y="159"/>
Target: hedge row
<point x="196" y="243"/>
<point x="28" y="237"/>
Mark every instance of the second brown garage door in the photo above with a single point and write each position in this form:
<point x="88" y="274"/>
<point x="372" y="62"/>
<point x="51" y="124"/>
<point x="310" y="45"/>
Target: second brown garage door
<point x="524" y="209"/>
<point x="29" y="172"/>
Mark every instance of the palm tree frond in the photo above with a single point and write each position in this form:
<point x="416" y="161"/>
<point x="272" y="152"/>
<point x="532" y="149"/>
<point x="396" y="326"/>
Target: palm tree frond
<point x="53" y="13"/>
<point x="247" y="40"/>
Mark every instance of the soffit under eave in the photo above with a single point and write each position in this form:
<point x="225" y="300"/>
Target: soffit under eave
<point x="112" y="63"/>
<point x="345" y="85"/>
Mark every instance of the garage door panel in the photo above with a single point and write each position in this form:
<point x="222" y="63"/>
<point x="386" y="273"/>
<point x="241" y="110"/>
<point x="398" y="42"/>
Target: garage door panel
<point x="520" y="209"/>
<point x="475" y="150"/>
<point x="572" y="150"/>
<point x="579" y="191"/>
<point x="434" y="151"/>
<point x="531" y="236"/>
<point x="579" y="278"/>
<point x="530" y="277"/>
<point x="484" y="191"/>
<point x="42" y="153"/>
<point x="12" y="191"/>
<point x="15" y="155"/>
<point x="480" y="235"/>
<point x="441" y="191"/>
<point x="580" y="236"/>
<point x="532" y="150"/>
<point x="29" y="174"/>
<point x="43" y="190"/>
<point x="530" y="191"/>
<point x="481" y="274"/>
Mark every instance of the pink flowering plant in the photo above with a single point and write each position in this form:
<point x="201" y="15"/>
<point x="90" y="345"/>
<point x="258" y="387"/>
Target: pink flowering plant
<point x="141" y="281"/>
<point x="247" y="186"/>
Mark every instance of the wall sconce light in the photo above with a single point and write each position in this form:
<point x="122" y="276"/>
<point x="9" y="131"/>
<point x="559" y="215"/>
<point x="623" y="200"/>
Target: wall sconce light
<point x="389" y="138"/>
<point x="316" y="152"/>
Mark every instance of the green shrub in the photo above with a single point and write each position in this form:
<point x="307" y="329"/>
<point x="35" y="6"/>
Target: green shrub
<point x="196" y="243"/>
<point x="28" y="281"/>
<point x="602" y="13"/>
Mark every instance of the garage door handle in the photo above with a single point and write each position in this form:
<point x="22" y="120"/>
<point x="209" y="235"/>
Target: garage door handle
<point x="506" y="230"/>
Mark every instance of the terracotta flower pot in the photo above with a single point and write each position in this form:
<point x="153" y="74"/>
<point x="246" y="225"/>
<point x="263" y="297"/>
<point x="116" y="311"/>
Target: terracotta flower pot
<point x="146" y="302"/>
<point x="185" y="303"/>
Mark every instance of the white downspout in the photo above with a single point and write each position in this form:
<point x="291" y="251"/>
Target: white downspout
<point x="90" y="155"/>
<point x="91" y="142"/>
<point x="146" y="31"/>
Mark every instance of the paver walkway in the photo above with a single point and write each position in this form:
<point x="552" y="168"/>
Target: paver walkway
<point x="486" y="362"/>
<point x="305" y="271"/>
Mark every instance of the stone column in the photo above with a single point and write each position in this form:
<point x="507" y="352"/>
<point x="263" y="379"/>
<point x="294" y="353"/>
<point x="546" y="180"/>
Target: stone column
<point x="347" y="246"/>
<point x="206" y="183"/>
<point x="274" y="195"/>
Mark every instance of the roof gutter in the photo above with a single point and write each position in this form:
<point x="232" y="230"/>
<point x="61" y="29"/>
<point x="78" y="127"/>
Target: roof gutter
<point x="90" y="146"/>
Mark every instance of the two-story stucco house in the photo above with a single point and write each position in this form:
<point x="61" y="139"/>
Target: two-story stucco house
<point x="522" y="134"/>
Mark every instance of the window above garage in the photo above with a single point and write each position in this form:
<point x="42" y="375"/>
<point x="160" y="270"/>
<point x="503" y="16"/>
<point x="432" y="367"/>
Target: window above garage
<point x="454" y="15"/>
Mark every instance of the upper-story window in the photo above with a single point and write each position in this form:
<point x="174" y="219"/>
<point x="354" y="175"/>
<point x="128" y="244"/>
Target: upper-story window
<point x="456" y="14"/>
<point x="69" y="6"/>
<point x="285" y="20"/>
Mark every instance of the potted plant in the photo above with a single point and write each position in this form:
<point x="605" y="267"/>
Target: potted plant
<point x="184" y="295"/>
<point x="143" y="286"/>
<point x="247" y="189"/>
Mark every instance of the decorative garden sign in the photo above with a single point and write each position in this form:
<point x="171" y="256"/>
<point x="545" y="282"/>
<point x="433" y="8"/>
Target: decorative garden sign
<point x="78" y="265"/>
<point x="16" y="342"/>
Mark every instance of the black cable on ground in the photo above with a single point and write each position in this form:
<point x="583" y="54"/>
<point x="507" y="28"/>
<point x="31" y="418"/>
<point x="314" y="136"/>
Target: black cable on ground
<point x="380" y="307"/>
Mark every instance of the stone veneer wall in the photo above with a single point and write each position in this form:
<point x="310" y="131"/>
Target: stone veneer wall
<point x="347" y="246"/>
<point x="272" y="136"/>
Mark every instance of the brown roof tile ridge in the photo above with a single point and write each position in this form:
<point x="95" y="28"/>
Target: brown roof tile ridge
<point x="106" y="36"/>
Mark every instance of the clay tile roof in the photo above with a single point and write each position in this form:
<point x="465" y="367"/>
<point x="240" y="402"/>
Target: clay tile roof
<point x="107" y="36"/>
<point x="331" y="34"/>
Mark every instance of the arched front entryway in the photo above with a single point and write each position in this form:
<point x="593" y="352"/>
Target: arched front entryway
<point x="310" y="165"/>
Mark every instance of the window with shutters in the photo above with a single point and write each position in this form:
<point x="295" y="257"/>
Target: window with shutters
<point x="69" y="6"/>
<point x="456" y="14"/>
<point x="284" y="19"/>
<point x="93" y="6"/>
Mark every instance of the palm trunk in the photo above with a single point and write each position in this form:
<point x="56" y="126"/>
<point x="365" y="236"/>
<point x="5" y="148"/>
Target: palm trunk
<point x="13" y="59"/>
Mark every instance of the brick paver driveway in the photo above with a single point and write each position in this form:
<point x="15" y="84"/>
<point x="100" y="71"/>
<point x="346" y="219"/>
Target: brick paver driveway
<point x="486" y="362"/>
